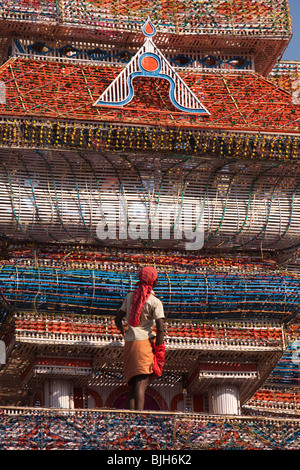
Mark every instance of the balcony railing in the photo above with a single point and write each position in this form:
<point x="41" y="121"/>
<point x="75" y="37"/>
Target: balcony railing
<point x="106" y="429"/>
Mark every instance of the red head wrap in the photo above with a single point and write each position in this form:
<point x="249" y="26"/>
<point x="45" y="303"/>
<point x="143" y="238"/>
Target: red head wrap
<point x="147" y="276"/>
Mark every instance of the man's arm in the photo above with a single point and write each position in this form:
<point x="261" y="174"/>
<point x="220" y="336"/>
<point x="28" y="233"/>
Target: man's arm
<point x="159" y="332"/>
<point x="118" y="321"/>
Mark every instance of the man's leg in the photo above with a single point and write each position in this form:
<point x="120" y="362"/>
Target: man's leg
<point x="141" y="384"/>
<point x="131" y="395"/>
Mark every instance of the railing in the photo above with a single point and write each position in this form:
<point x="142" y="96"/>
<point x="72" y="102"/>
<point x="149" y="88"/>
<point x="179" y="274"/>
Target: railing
<point x="178" y="334"/>
<point x="105" y="55"/>
<point x="45" y="429"/>
<point x="274" y="407"/>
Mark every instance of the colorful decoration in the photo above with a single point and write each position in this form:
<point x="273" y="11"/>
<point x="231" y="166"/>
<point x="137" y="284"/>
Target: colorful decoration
<point x="105" y="258"/>
<point x="256" y="16"/>
<point x="286" y="75"/>
<point x="150" y="62"/>
<point x="224" y="145"/>
<point x="111" y="430"/>
<point x="83" y="53"/>
<point x="190" y="296"/>
<point x="104" y="109"/>
<point x="274" y="401"/>
<point x="67" y="93"/>
<point x="187" y="334"/>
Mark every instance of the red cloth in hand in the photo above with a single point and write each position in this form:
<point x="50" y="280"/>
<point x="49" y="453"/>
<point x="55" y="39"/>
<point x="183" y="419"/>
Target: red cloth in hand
<point x="159" y="358"/>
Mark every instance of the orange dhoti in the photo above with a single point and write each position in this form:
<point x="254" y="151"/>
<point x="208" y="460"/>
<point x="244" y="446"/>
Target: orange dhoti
<point x="138" y="358"/>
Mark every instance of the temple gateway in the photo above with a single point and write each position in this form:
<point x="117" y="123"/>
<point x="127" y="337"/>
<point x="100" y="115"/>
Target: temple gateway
<point x="137" y="133"/>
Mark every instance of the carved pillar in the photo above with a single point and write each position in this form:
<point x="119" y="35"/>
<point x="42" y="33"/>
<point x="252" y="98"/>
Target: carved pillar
<point x="58" y="394"/>
<point x="224" y="400"/>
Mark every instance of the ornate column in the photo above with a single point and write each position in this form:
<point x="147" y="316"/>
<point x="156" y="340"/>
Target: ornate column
<point x="224" y="400"/>
<point x="58" y="394"/>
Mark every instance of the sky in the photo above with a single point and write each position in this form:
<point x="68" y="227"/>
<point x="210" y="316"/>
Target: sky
<point x="293" y="49"/>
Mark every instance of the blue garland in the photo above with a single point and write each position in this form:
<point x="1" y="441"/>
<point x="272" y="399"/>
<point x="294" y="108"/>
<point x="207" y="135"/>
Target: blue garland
<point x="206" y="295"/>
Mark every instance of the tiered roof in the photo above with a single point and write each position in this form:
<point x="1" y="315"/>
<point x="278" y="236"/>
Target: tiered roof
<point x="67" y="92"/>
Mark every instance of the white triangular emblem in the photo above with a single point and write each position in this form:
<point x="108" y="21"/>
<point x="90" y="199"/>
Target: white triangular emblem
<point x="150" y="62"/>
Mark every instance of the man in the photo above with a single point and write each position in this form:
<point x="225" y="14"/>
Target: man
<point x="144" y="353"/>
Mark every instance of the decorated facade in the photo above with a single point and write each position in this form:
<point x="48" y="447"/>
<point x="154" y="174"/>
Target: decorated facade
<point x="149" y="133"/>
